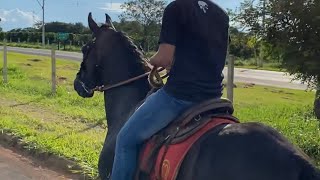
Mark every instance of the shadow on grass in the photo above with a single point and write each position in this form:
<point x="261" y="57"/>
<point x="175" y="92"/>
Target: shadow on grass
<point x="99" y="124"/>
<point x="27" y="103"/>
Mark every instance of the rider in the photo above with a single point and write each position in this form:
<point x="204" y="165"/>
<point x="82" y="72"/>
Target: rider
<point x="195" y="35"/>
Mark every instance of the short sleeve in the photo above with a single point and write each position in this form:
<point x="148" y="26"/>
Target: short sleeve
<point x="170" y="24"/>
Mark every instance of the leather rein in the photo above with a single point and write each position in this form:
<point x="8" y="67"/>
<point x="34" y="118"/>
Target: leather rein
<point x="154" y="78"/>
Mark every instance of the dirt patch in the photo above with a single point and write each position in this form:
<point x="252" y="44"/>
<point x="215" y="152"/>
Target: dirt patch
<point x="225" y="85"/>
<point x="35" y="60"/>
<point x="62" y="79"/>
<point x="37" y="78"/>
<point x="36" y="164"/>
<point x="279" y="91"/>
<point x="248" y="85"/>
<point x="286" y="98"/>
<point x="67" y="67"/>
<point x="289" y="93"/>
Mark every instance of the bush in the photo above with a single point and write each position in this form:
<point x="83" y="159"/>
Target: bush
<point x="239" y="63"/>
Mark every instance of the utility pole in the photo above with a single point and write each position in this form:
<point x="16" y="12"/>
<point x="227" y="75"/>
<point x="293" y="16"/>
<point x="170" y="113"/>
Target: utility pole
<point x="264" y="16"/>
<point x="43" y="25"/>
<point x="263" y="28"/>
<point x="43" y="28"/>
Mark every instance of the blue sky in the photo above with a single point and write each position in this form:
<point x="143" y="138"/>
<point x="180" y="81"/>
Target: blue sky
<point x="23" y="13"/>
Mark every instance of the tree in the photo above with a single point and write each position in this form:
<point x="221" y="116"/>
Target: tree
<point x="251" y="17"/>
<point x="0" y="27"/>
<point x="294" y="28"/>
<point x="148" y="13"/>
<point x="240" y="46"/>
<point x="77" y="28"/>
<point x="133" y="28"/>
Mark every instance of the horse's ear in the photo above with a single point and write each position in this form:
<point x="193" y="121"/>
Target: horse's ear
<point x="92" y="24"/>
<point x="109" y="21"/>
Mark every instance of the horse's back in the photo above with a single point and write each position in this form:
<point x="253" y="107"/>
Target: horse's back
<point x="246" y="151"/>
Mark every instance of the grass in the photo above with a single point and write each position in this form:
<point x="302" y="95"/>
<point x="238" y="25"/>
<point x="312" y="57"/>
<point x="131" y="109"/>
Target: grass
<point x="250" y="64"/>
<point x="267" y="67"/>
<point x="29" y="80"/>
<point x="64" y="137"/>
<point x="67" y="125"/>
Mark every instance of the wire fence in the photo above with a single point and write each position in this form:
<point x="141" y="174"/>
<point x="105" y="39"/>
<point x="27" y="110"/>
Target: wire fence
<point x="6" y="62"/>
<point x="11" y="66"/>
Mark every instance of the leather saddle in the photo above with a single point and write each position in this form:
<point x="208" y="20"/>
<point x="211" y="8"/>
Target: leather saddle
<point x="185" y="126"/>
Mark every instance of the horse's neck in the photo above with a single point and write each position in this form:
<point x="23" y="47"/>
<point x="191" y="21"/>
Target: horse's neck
<point x="122" y="101"/>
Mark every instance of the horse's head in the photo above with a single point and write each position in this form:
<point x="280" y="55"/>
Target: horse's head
<point x="110" y="58"/>
<point x="94" y="57"/>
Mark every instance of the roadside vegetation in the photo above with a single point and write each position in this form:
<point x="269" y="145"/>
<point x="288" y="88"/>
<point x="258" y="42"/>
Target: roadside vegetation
<point x="72" y="127"/>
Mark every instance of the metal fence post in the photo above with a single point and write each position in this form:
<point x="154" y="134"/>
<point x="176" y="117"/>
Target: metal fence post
<point x="230" y="81"/>
<point x="53" y="70"/>
<point x="5" y="65"/>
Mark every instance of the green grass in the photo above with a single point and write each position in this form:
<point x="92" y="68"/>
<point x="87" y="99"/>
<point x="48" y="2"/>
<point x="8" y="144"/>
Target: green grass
<point x="250" y="64"/>
<point x="70" y="126"/>
<point x="267" y="67"/>
<point x="29" y="81"/>
<point x="64" y="137"/>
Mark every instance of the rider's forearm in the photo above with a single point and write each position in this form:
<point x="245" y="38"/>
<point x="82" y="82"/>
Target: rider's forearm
<point x="160" y="61"/>
<point x="164" y="56"/>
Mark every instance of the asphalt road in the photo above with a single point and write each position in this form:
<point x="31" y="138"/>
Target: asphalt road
<point x="44" y="52"/>
<point x="259" y="77"/>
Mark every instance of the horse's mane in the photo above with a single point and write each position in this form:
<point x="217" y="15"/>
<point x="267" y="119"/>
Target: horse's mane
<point x="137" y="53"/>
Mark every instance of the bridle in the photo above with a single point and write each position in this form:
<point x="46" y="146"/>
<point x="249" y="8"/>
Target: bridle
<point x="154" y="78"/>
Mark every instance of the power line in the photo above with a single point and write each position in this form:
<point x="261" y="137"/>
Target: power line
<point x="39" y="3"/>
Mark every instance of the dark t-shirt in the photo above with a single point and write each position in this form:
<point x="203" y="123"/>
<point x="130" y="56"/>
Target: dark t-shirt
<point x="200" y="32"/>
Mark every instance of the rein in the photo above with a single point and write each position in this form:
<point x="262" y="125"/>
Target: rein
<point x="155" y="83"/>
<point x="154" y="78"/>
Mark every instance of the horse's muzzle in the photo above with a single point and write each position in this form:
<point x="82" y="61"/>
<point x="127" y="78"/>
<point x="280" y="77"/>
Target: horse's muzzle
<point x="81" y="89"/>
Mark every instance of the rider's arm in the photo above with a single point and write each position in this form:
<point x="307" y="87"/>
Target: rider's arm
<point x="164" y="56"/>
<point x="168" y="36"/>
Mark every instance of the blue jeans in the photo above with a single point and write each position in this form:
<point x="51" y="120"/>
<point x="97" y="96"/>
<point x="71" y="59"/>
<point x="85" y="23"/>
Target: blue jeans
<point x="159" y="110"/>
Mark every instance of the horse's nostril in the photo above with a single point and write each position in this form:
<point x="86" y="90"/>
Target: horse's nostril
<point x="80" y="88"/>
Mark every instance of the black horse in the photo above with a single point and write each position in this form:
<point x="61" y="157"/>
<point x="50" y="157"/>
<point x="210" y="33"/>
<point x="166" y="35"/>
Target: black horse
<point x="245" y="151"/>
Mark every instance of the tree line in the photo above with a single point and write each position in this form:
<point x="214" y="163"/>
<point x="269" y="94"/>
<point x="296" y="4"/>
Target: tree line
<point x="146" y="39"/>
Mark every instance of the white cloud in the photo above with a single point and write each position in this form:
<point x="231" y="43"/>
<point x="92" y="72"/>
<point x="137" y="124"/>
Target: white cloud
<point x="16" y="18"/>
<point x="112" y="7"/>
